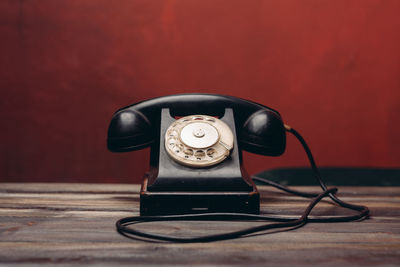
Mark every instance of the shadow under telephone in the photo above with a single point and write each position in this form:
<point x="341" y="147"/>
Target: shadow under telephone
<point x="196" y="172"/>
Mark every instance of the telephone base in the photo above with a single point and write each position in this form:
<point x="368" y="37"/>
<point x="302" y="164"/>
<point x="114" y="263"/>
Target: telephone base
<point x="175" y="203"/>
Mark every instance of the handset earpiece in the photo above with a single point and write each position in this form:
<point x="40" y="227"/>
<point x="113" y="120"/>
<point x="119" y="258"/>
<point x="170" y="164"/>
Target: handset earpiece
<point x="263" y="133"/>
<point x="129" y="130"/>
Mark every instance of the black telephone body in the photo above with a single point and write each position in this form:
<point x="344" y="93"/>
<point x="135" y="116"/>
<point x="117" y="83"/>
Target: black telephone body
<point x="196" y="143"/>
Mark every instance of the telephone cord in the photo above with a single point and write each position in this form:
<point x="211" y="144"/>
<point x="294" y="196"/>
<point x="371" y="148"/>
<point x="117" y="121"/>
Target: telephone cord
<point x="284" y="223"/>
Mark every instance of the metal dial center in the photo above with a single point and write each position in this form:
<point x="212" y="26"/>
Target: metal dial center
<point x="198" y="132"/>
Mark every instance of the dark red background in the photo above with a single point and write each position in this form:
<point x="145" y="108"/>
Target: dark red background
<point x="330" y="67"/>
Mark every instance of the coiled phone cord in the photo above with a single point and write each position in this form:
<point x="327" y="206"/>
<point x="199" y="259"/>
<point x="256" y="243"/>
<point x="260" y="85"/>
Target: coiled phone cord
<point x="283" y="223"/>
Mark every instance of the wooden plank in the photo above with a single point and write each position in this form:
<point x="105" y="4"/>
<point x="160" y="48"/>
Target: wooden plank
<point x="66" y="187"/>
<point x="134" y="188"/>
<point x="73" y="224"/>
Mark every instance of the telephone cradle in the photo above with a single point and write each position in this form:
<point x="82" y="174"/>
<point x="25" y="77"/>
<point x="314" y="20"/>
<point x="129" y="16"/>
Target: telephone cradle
<point x="175" y="189"/>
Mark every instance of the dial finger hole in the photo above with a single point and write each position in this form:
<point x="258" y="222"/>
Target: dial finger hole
<point x="178" y="148"/>
<point x="199" y="154"/>
<point x="171" y="141"/>
<point x="173" y="134"/>
<point x="211" y="152"/>
<point x="189" y="152"/>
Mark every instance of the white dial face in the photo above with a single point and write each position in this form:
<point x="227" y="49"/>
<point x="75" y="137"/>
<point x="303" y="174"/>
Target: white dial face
<point x="199" y="141"/>
<point x="199" y="135"/>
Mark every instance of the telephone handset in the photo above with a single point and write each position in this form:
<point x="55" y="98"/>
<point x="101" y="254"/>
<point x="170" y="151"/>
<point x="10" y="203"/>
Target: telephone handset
<point x="196" y="173"/>
<point x="196" y="158"/>
<point x="260" y="129"/>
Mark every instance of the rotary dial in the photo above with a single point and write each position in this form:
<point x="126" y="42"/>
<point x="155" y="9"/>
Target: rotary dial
<point x="199" y="141"/>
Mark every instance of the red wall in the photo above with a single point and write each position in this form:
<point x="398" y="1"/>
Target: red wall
<point x="332" y="68"/>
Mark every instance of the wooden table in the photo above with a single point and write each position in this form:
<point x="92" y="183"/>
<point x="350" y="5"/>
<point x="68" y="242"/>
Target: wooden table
<point x="73" y="224"/>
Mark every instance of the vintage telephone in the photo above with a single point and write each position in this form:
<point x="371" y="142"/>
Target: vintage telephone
<point x="196" y="143"/>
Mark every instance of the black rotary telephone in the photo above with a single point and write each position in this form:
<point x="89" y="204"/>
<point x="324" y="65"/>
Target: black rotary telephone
<point x="196" y="143"/>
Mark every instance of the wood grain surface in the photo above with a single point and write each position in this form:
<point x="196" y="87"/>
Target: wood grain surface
<point x="74" y="224"/>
